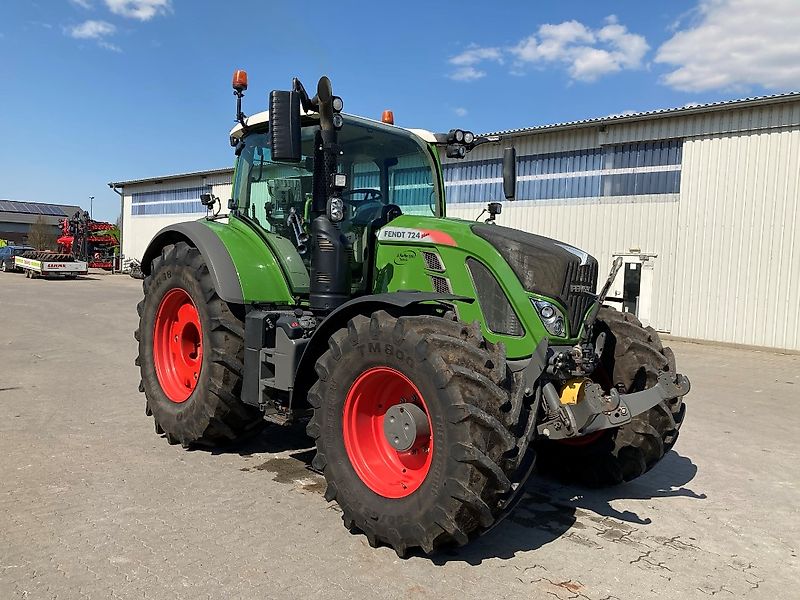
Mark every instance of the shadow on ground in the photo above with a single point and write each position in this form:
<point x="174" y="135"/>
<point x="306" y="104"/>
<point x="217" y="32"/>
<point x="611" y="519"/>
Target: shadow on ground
<point x="268" y="439"/>
<point x="548" y="509"/>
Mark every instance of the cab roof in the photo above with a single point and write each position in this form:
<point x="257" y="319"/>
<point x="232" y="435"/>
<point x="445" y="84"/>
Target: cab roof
<point x="263" y="117"/>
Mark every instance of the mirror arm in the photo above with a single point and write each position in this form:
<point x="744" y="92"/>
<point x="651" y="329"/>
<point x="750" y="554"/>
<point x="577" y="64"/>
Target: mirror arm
<point x="485" y="139"/>
<point x="305" y="101"/>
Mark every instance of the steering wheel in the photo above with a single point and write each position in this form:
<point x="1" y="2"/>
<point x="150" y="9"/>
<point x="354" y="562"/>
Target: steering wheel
<point x="370" y="195"/>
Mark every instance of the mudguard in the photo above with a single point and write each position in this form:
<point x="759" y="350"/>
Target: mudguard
<point x="242" y="267"/>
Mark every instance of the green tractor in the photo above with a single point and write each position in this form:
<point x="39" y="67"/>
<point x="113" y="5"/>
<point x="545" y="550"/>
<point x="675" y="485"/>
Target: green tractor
<point x="436" y="361"/>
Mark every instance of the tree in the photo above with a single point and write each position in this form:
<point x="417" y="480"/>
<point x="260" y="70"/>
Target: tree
<point x="41" y="235"/>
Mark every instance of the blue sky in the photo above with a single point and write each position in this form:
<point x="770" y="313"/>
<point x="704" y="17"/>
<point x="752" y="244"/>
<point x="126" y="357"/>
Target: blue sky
<point x="99" y="90"/>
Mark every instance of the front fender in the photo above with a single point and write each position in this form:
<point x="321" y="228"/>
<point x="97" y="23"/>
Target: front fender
<point x="218" y="259"/>
<point x="243" y="269"/>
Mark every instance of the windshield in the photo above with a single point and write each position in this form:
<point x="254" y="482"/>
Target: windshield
<point x="383" y="166"/>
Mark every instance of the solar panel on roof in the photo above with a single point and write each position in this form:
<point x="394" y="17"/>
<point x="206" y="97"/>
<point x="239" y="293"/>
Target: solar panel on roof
<point x="32" y="208"/>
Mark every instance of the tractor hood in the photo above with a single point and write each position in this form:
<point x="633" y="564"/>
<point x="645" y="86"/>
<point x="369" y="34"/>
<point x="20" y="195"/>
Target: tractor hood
<point x="519" y="261"/>
<point x="545" y="266"/>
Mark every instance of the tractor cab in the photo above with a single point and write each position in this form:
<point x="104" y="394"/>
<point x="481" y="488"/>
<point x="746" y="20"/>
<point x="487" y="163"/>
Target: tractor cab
<point x="387" y="172"/>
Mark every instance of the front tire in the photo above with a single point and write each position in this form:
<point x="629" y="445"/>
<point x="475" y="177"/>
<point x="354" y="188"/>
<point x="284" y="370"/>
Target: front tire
<point x="190" y="353"/>
<point x="448" y="488"/>
<point x="632" y="360"/>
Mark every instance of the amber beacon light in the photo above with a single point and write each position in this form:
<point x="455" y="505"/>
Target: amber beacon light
<point x="387" y="117"/>
<point x="240" y="80"/>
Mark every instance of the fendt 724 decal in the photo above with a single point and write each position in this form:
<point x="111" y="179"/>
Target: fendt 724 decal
<point x="410" y="234"/>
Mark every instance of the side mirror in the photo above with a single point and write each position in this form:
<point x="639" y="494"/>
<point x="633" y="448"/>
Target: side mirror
<point x="510" y="173"/>
<point x="284" y="126"/>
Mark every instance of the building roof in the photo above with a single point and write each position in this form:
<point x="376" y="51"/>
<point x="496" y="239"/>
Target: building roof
<point x="38" y="208"/>
<point x="656" y="114"/>
<point x="591" y="122"/>
<point x="209" y="172"/>
<point x="14" y="211"/>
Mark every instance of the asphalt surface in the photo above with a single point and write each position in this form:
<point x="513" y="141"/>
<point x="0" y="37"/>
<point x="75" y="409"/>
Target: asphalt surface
<point x="93" y="504"/>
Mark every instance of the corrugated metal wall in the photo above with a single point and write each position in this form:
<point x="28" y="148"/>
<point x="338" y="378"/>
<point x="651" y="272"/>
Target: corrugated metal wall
<point x="140" y="229"/>
<point x="728" y="251"/>
<point x="738" y="265"/>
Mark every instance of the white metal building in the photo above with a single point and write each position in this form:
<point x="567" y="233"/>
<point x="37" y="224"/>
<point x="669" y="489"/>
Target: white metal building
<point x="149" y="205"/>
<point x="701" y="202"/>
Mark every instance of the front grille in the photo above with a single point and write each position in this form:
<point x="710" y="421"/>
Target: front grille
<point x="441" y="284"/>
<point x="497" y="310"/>
<point x="433" y="261"/>
<point x="579" y="278"/>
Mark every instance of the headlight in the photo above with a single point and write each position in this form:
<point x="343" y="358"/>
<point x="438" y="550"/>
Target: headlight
<point x="335" y="209"/>
<point x="551" y="317"/>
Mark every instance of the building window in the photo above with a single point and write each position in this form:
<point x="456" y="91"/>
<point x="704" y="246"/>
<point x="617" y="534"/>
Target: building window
<point x="169" y="202"/>
<point x="642" y="168"/>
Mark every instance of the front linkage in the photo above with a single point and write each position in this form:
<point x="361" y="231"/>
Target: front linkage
<point x="583" y="407"/>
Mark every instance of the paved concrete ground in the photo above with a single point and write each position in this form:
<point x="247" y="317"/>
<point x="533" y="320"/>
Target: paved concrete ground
<point x="94" y="505"/>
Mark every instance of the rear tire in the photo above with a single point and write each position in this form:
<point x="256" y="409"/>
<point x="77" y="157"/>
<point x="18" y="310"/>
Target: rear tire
<point x="632" y="360"/>
<point x="207" y="411"/>
<point x="475" y="421"/>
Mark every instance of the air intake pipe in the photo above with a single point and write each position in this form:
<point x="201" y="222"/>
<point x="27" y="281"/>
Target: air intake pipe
<point x="330" y="269"/>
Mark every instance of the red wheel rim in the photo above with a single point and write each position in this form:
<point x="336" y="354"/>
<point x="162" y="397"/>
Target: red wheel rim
<point x="383" y="469"/>
<point x="177" y="345"/>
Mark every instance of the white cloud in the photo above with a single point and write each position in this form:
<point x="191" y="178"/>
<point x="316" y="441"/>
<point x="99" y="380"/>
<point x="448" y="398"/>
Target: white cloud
<point x="552" y="41"/>
<point x="109" y="46"/>
<point x="736" y="44"/>
<point x="143" y="10"/>
<point x="99" y="31"/>
<point x="86" y="4"/>
<point x="475" y="54"/>
<point x="461" y="111"/>
<point x="92" y="30"/>
<point x="586" y="53"/>
<point x="468" y="73"/>
<point x="465" y="62"/>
